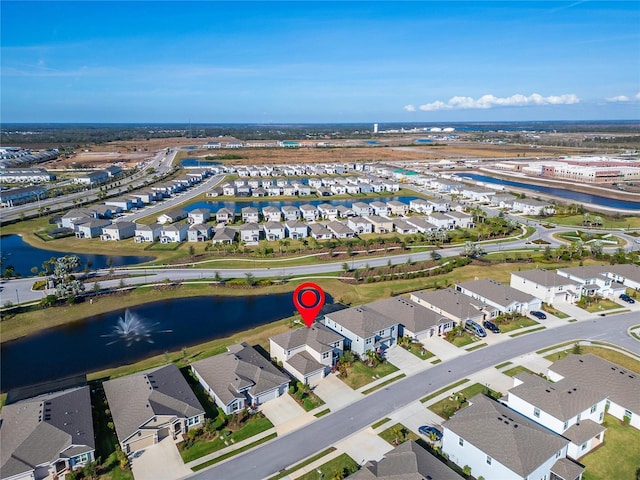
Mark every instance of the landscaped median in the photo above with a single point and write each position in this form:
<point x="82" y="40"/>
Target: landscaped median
<point x="358" y="373"/>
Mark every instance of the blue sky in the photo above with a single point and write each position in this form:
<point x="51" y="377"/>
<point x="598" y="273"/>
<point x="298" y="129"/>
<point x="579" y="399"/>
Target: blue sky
<point x="366" y="61"/>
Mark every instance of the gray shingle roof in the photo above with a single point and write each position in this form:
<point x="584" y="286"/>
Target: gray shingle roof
<point x="583" y="431"/>
<point x="562" y="400"/>
<point x="305" y="363"/>
<point x="409" y="461"/>
<point x="512" y="439"/>
<point x="620" y="385"/>
<point x="544" y="278"/>
<point x="455" y="304"/>
<point x="414" y="317"/>
<point x="241" y="367"/>
<point x="362" y="320"/>
<point x="135" y="399"/>
<point x="318" y="337"/>
<point x="497" y="292"/>
<point x="566" y="469"/>
<point x="38" y="430"/>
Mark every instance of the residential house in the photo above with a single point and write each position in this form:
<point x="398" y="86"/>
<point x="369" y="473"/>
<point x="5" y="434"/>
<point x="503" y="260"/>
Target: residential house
<point x="250" y="215"/>
<point x="309" y="212"/>
<point x="421" y="224"/>
<point x="362" y="209"/>
<point x="176" y="232"/>
<point x="364" y="328"/>
<point x="416" y="321"/>
<point x="97" y="177"/>
<point x="404" y="228"/>
<point x="315" y="182"/>
<point x="502" y="200"/>
<point x="566" y="407"/>
<point x="228" y="190"/>
<point x="548" y="286"/>
<point x="344" y="211"/>
<point x="240" y="378"/>
<point x="627" y="274"/>
<point x="273" y="231"/>
<point x="380" y="208"/>
<point x="460" y="220"/>
<point x="243" y="190"/>
<point x="441" y="220"/>
<point x="338" y="189"/>
<point x="618" y="384"/>
<point x="199" y="215"/>
<point x="151" y="405"/>
<point x="123" y="203"/>
<point x="271" y="214"/>
<point x="397" y="208"/>
<point x="340" y="230"/>
<point x="495" y="441"/>
<point x="504" y="298"/>
<point x="77" y="216"/>
<point x="302" y="189"/>
<point x="455" y="305"/>
<point x="324" y="192"/>
<point x="353" y="189"/>
<point x="47" y="436"/>
<point x="273" y="190"/>
<point x="327" y="211"/>
<point x="118" y="231"/>
<point x="478" y="194"/>
<point x="289" y="190"/>
<point x="408" y="461"/>
<point x="593" y="280"/>
<point x="147" y="233"/>
<point x="91" y="229"/>
<point x="199" y="232"/>
<point x="172" y="216"/>
<point x="360" y="225"/>
<point x="296" y="230"/>
<point x="320" y="232"/>
<point x="381" y="224"/>
<point x="249" y="232"/>
<point x="290" y="212"/>
<point x="419" y="205"/>
<point x="225" y="215"/>
<point x="307" y="354"/>
<point x="530" y="206"/>
<point x="146" y="197"/>
<point x="224" y="235"/>
<point x="439" y="206"/>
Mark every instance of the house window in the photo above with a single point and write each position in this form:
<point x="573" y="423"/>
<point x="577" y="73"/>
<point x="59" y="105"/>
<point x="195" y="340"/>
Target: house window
<point x="536" y="412"/>
<point x="558" y="453"/>
<point x="461" y="442"/>
<point x="82" y="458"/>
<point x="369" y="340"/>
<point x="325" y="355"/>
<point x="193" y="421"/>
<point x="584" y="446"/>
<point x="488" y="460"/>
<point x="593" y="409"/>
<point x="628" y="414"/>
<point x="601" y="416"/>
<point x="566" y="425"/>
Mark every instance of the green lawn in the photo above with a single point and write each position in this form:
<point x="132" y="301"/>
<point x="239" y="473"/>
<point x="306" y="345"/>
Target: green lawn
<point x="463" y="340"/>
<point x="618" y="458"/>
<point x="516" y="324"/>
<point x="446" y="407"/>
<point x="444" y="389"/>
<point x="309" y="401"/>
<point x="359" y="374"/>
<point x="419" y="351"/>
<point x="512" y="372"/>
<point x="298" y="466"/>
<point x="598" y="305"/>
<point x="398" y="434"/>
<point x="613" y="356"/>
<point x="251" y="427"/>
<point x="340" y="467"/>
<point x="554" y="311"/>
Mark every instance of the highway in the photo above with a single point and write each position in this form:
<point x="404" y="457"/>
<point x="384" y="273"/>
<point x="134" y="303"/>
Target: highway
<point x="287" y="450"/>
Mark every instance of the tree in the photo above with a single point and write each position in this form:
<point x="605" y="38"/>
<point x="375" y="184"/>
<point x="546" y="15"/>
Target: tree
<point x="597" y="248"/>
<point x="472" y="250"/>
<point x="345" y="267"/>
<point x="250" y="279"/>
<point x="90" y="470"/>
<point x="65" y="282"/>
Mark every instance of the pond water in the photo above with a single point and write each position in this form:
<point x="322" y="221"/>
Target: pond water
<point x="198" y="162"/>
<point x="560" y="192"/>
<point x="22" y="256"/>
<point x="121" y="338"/>
<point x="237" y="206"/>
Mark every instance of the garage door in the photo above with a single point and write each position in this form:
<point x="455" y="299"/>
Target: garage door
<point x="314" y="379"/>
<point x="163" y="432"/>
<point x="141" y="442"/>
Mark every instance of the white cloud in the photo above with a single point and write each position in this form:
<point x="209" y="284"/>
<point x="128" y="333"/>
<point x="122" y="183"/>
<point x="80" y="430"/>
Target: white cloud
<point x="490" y="101"/>
<point x="410" y="108"/>
<point x="637" y="96"/>
<point x="619" y="98"/>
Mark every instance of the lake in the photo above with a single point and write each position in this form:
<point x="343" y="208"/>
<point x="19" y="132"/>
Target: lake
<point x="23" y="257"/>
<point x="574" y="196"/>
<point x="99" y="342"/>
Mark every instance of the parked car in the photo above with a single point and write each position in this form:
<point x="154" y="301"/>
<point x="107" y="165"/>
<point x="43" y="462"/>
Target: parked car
<point x="428" y="431"/>
<point x="489" y="325"/>
<point x="474" y="328"/>
<point x="538" y="314"/>
<point x="626" y="298"/>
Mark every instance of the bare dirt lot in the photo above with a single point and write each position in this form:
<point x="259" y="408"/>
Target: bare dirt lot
<point x="128" y="153"/>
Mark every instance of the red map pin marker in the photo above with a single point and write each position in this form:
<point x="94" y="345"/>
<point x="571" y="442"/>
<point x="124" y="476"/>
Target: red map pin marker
<point x="308" y="299"/>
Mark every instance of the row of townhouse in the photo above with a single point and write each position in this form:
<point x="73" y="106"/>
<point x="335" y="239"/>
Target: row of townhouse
<point x="541" y="428"/>
<point x="97" y="177"/>
<point x="567" y="285"/>
<point x="25" y="175"/>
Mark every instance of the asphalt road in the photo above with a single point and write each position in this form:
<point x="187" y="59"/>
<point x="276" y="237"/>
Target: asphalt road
<point x="285" y="451"/>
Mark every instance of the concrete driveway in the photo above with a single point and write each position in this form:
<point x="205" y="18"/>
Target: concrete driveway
<point x="406" y="361"/>
<point x="364" y="446"/>
<point x="161" y="460"/>
<point x="285" y="414"/>
<point x="335" y="393"/>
